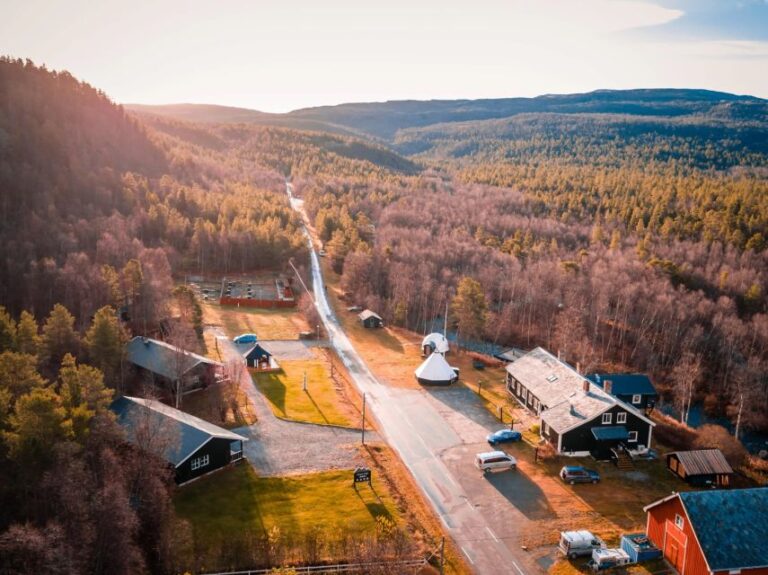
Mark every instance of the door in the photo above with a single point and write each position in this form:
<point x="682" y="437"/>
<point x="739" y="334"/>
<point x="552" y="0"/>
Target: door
<point x="674" y="547"/>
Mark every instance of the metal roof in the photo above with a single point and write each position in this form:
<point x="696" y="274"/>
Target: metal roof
<point x="560" y="388"/>
<point x="163" y="358"/>
<point x="510" y="355"/>
<point x="624" y="383"/>
<point x="703" y="461"/>
<point x="731" y="526"/>
<point x="173" y="434"/>
<point x="610" y="433"/>
<point x="252" y="350"/>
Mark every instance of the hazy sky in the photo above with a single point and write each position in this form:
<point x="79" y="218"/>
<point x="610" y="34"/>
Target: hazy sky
<point x="278" y="55"/>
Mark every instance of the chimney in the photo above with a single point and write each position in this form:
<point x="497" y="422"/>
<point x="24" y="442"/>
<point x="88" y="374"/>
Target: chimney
<point x="586" y="385"/>
<point x="559" y="355"/>
<point x="608" y="386"/>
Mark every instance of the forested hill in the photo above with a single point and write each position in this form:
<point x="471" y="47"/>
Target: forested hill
<point x="384" y="119"/>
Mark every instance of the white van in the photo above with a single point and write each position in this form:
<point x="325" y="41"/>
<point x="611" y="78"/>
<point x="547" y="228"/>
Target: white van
<point x="494" y="460"/>
<point x="575" y="544"/>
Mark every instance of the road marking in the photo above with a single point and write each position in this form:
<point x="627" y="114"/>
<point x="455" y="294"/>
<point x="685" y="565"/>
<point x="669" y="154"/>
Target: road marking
<point x="468" y="556"/>
<point x="496" y="539"/>
<point x="517" y="567"/>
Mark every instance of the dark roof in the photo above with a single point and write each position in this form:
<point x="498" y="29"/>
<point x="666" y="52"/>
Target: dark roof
<point x="730" y="525"/>
<point x="510" y="355"/>
<point x="252" y="350"/>
<point x="610" y="433"/>
<point x="703" y="462"/>
<point x="176" y="435"/>
<point x="163" y="358"/>
<point x="624" y="383"/>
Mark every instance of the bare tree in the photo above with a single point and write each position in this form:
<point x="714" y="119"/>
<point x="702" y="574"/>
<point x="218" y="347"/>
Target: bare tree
<point x="686" y="375"/>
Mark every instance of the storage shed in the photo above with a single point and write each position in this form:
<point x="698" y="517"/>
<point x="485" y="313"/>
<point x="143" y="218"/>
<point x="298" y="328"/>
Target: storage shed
<point x="370" y="319"/>
<point x="256" y="356"/>
<point x="702" y="468"/>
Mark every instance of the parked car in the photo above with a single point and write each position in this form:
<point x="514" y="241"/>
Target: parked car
<point x="577" y="474"/>
<point x="504" y="436"/>
<point x="245" y="338"/>
<point x="494" y="460"/>
<point x="579" y="543"/>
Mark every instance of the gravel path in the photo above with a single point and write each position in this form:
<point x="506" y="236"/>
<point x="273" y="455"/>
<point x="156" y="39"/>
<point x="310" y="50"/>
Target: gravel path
<point x="278" y="447"/>
<point x="292" y="349"/>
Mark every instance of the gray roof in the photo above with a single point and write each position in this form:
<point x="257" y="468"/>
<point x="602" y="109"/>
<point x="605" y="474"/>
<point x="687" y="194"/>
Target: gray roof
<point x="510" y="355"/>
<point x="365" y="314"/>
<point x="625" y="383"/>
<point x="176" y="435"/>
<point x="730" y="525"/>
<point x="163" y="358"/>
<point x="560" y="388"/>
<point x="703" y="462"/>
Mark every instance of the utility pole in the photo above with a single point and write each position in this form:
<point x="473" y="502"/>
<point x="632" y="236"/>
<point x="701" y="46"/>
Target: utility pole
<point x="363" y="426"/>
<point x="305" y="381"/>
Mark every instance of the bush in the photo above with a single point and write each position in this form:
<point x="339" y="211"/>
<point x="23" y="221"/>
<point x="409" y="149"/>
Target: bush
<point x="717" y="437"/>
<point x="535" y="428"/>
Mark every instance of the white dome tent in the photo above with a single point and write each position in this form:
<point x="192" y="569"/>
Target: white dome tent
<point x="435" y="371"/>
<point x="434" y="342"/>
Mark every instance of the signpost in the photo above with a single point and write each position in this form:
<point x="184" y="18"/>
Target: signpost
<point x="362" y="475"/>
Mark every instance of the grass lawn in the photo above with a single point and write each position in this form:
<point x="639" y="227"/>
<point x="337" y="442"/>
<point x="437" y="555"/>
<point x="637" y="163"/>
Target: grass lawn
<point x="237" y="501"/>
<point x="268" y="324"/>
<point x="287" y="398"/>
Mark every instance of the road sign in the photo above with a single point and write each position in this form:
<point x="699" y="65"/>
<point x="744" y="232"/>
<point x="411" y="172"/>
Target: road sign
<point x="362" y="475"/>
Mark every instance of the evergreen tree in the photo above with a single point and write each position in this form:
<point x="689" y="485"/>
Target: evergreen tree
<point x="105" y="341"/>
<point x="59" y="335"/>
<point x="469" y="309"/>
<point x="7" y="331"/>
<point x="83" y="394"/>
<point x="18" y="374"/>
<point x="27" y="334"/>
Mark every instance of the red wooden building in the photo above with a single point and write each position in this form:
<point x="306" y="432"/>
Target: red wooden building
<point x="712" y="532"/>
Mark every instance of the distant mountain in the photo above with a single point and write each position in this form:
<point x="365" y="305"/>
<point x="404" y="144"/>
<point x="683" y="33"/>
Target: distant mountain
<point x="383" y="120"/>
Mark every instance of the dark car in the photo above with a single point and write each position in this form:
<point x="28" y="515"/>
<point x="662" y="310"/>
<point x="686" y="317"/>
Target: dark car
<point x="577" y="474"/>
<point x="504" y="436"/>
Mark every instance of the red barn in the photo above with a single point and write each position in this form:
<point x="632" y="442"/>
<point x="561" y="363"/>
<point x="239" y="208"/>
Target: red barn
<point x="712" y="532"/>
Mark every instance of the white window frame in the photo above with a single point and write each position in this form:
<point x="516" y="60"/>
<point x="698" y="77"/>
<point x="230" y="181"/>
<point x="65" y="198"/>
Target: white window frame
<point x="637" y="399"/>
<point x="621" y="417"/>
<point x="607" y="418"/>
<point x="632" y="437"/>
<point x="200" y="462"/>
<point x="544" y="428"/>
<point x="679" y="521"/>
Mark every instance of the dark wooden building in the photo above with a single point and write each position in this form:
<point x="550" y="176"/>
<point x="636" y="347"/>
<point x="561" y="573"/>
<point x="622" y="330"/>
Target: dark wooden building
<point x="713" y="532"/>
<point x="370" y="319"/>
<point x="635" y="389"/>
<point x="192" y="446"/>
<point x="257" y="357"/>
<point x="165" y="364"/>
<point x="577" y="417"/>
<point x="702" y="468"/>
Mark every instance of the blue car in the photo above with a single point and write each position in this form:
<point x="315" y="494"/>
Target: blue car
<point x="245" y="338"/>
<point x="504" y="436"/>
<point x="576" y="474"/>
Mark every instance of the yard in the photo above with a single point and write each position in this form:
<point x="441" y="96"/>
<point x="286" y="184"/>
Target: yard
<point x="236" y="504"/>
<point x="322" y="402"/>
<point x="267" y="324"/>
<point x="209" y="404"/>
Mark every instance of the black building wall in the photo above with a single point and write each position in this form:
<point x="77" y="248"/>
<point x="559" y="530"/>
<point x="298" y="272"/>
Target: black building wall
<point x="218" y="452"/>
<point x="646" y="401"/>
<point x="581" y="438"/>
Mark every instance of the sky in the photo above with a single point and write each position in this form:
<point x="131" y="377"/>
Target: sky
<point x="279" y="55"/>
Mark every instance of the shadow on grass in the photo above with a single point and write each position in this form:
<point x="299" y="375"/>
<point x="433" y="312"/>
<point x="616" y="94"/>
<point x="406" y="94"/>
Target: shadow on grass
<point x="273" y="388"/>
<point x="317" y="407"/>
<point x="375" y="508"/>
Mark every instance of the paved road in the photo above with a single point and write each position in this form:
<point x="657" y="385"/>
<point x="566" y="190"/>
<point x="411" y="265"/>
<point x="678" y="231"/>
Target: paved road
<point x="278" y="446"/>
<point x="423" y="433"/>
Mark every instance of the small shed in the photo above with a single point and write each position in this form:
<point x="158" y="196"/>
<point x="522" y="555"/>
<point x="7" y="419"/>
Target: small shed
<point x="434" y="342"/>
<point x="435" y="371"/>
<point x="256" y="356"/>
<point x="370" y="319"/>
<point x="510" y="355"/>
<point x="702" y="468"/>
<point x="639" y="547"/>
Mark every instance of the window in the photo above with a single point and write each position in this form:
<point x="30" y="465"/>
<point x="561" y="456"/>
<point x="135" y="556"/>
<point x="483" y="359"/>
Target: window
<point x="544" y="428"/>
<point x="632" y="437"/>
<point x="636" y="399"/>
<point x="679" y="521"/>
<point x="607" y="418"/>
<point x="621" y="417"/>
<point x="199" y="462"/>
<point x="535" y="404"/>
